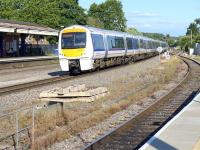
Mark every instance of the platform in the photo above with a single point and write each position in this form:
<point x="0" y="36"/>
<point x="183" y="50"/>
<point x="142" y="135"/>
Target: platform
<point x="23" y="62"/>
<point x="182" y="132"/>
<point x="23" y="59"/>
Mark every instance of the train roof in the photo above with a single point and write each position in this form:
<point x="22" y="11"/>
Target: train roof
<point x="94" y="29"/>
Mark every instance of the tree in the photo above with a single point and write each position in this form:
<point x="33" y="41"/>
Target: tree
<point x="43" y="13"/>
<point x="197" y="21"/>
<point x="95" y="22"/>
<point x="194" y="28"/>
<point x="184" y="43"/>
<point x="110" y="13"/>
<point x="133" y="31"/>
<point x="52" y="13"/>
<point x="156" y="36"/>
<point x="71" y="13"/>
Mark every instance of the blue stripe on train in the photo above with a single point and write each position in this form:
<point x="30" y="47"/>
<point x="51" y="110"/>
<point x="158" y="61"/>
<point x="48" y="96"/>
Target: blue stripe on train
<point x="99" y="49"/>
<point x="116" y="49"/>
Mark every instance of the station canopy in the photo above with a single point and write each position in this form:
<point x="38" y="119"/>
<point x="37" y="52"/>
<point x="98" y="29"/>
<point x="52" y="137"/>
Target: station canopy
<point x="26" y="28"/>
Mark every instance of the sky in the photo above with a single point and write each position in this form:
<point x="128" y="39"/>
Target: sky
<point x="159" y="16"/>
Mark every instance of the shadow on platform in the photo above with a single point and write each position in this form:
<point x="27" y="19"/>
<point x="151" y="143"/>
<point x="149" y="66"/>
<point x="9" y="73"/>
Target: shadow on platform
<point x="161" y="145"/>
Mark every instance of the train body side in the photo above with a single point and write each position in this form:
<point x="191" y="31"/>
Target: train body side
<point x="86" y="48"/>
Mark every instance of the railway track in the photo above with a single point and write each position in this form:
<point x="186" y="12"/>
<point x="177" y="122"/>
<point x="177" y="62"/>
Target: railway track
<point x="136" y="131"/>
<point x="42" y="82"/>
<point x="22" y="86"/>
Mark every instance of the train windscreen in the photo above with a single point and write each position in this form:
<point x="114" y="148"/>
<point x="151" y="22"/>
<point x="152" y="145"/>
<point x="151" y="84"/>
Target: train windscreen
<point x="73" y="40"/>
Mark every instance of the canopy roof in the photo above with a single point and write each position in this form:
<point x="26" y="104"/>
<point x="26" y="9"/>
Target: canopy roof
<point x="26" y="28"/>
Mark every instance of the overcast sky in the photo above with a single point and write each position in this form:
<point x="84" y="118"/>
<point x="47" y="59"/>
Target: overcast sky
<point x="162" y="16"/>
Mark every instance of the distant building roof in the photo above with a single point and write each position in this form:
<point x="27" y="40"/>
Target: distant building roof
<point x="26" y="28"/>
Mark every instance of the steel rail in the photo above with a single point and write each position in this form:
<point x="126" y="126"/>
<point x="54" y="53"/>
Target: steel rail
<point x="32" y="84"/>
<point x="138" y="129"/>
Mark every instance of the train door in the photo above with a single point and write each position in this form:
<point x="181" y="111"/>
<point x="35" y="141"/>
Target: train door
<point x="1" y="45"/>
<point x="125" y="45"/>
<point x="106" y="45"/>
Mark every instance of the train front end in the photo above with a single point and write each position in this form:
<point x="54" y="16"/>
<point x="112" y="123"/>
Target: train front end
<point x="75" y="49"/>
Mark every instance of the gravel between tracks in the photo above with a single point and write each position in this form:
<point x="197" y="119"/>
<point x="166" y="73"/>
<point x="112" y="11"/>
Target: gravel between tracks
<point x="24" y="98"/>
<point x="80" y="140"/>
<point x="114" y="79"/>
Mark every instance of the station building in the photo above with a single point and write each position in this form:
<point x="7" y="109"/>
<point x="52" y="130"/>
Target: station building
<point x="13" y="37"/>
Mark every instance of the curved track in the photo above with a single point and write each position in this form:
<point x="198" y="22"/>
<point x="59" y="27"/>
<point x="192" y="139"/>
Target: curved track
<point x="135" y="132"/>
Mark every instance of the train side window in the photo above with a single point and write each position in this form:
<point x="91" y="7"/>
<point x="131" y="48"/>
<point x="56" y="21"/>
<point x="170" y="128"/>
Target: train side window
<point x="119" y="43"/>
<point x="115" y="42"/>
<point x="142" y="44"/>
<point x="129" y="43"/>
<point x="98" y="43"/>
<point x="110" y="40"/>
<point x="135" y="44"/>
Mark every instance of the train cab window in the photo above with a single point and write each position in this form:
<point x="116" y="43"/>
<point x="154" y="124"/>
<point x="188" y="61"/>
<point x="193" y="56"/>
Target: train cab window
<point x="98" y="43"/>
<point x="129" y="43"/>
<point x="74" y="40"/>
<point x="115" y="42"/>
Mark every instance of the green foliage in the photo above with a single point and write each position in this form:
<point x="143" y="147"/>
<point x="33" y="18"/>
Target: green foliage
<point x="194" y="30"/>
<point x="52" y="13"/>
<point x="110" y="13"/>
<point x="184" y="43"/>
<point x="156" y="36"/>
<point x="95" y="22"/>
<point x="171" y="42"/>
<point x="193" y="27"/>
<point x="133" y="31"/>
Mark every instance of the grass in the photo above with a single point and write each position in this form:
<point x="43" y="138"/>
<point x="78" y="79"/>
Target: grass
<point x="53" y="126"/>
<point x="196" y="58"/>
<point x="97" y="112"/>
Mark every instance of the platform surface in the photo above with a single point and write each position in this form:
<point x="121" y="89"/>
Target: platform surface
<point x="182" y="132"/>
<point x="30" y="58"/>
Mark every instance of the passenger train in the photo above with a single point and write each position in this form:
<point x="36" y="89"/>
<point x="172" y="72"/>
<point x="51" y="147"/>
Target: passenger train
<point x="83" y="48"/>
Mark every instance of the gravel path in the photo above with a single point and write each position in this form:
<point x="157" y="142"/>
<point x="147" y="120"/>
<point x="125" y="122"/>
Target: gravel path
<point x="105" y="78"/>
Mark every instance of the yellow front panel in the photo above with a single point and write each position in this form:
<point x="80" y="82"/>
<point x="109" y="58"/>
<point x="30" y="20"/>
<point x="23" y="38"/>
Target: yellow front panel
<point x="73" y="52"/>
<point x="74" y="30"/>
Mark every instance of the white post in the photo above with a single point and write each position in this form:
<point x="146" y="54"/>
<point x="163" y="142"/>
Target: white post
<point x="159" y="57"/>
<point x="17" y="131"/>
<point x="33" y="127"/>
<point x="191" y="38"/>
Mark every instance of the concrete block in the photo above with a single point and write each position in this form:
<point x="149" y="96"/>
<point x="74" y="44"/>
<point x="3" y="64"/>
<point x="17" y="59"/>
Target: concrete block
<point x="77" y="93"/>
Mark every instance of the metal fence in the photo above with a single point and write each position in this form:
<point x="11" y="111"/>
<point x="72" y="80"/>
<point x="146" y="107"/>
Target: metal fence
<point x="14" y="134"/>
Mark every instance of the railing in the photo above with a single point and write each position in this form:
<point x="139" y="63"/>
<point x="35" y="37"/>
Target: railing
<point x="25" y="136"/>
<point x="15" y="135"/>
